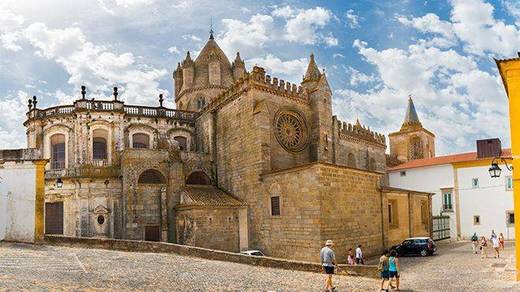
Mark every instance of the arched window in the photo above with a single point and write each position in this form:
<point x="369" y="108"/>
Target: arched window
<point x="99" y="147"/>
<point x="151" y="176"/>
<point x="201" y="102"/>
<point x="372" y="164"/>
<point x="351" y="160"/>
<point x="198" y="178"/>
<point x="140" y="140"/>
<point x="58" y="151"/>
<point x="183" y="142"/>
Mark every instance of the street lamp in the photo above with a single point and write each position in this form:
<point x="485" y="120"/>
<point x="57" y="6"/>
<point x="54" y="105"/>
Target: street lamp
<point x="495" y="170"/>
<point x="59" y="183"/>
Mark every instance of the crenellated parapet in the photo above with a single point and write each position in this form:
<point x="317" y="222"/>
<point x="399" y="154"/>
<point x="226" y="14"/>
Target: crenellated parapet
<point x="257" y="79"/>
<point x="346" y="130"/>
<point x="278" y="86"/>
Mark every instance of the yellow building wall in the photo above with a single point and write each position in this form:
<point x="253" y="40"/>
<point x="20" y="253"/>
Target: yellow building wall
<point x="510" y="73"/>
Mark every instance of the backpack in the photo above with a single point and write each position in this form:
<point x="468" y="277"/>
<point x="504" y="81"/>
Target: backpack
<point x="382" y="264"/>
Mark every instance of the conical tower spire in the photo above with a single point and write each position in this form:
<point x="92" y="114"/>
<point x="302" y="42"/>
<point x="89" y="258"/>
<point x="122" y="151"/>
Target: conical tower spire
<point x="313" y="73"/>
<point x="411" y="118"/>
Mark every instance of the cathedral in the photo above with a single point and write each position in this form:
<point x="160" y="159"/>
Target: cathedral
<point x="244" y="161"/>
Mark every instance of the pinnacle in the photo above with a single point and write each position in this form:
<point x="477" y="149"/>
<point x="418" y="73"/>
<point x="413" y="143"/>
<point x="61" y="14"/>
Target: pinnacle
<point x="313" y="72"/>
<point x="411" y="117"/>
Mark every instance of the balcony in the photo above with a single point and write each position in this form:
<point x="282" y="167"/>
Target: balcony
<point x="111" y="106"/>
<point x="87" y="171"/>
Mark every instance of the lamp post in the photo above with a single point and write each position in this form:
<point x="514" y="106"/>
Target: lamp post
<point x="495" y="170"/>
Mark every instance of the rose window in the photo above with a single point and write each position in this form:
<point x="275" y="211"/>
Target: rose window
<point x="290" y="131"/>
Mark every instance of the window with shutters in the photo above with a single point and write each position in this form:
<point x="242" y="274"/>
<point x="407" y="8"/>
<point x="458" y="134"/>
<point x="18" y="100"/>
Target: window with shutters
<point x="275" y="206"/>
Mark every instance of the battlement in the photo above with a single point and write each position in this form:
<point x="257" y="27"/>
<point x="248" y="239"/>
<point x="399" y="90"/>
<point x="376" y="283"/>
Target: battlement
<point x="280" y="85"/>
<point x="259" y="80"/>
<point x="358" y="131"/>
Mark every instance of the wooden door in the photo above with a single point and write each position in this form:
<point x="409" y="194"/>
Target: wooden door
<point x="152" y="233"/>
<point x="54" y="218"/>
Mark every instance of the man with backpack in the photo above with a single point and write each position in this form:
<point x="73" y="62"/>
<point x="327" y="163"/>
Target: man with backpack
<point x="474" y="242"/>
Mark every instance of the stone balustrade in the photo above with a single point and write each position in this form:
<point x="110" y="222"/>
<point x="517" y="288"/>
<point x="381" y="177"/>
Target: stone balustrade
<point x="111" y="106"/>
<point x="84" y="171"/>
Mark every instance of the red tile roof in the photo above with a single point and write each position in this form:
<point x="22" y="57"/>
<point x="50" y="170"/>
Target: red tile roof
<point x="448" y="159"/>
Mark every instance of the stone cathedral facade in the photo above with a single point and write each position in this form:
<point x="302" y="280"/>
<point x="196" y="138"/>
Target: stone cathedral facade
<point x="245" y="161"/>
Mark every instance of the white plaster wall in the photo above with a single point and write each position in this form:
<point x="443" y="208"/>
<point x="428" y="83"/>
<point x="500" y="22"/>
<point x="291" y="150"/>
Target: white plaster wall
<point x="490" y="201"/>
<point x="18" y="191"/>
<point x="429" y="179"/>
<point x="3" y="210"/>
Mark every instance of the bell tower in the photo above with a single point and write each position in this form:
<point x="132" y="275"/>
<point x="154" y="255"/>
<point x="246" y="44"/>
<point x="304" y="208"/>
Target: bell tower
<point x="412" y="141"/>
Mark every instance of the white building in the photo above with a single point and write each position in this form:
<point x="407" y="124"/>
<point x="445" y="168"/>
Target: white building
<point x="464" y="190"/>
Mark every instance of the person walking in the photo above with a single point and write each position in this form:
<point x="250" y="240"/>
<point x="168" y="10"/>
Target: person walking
<point x="359" y="256"/>
<point x="483" y="246"/>
<point x="496" y="246"/>
<point x="474" y="242"/>
<point x="501" y="240"/>
<point x="350" y="257"/>
<point x="328" y="262"/>
<point x="382" y="267"/>
<point x="393" y="269"/>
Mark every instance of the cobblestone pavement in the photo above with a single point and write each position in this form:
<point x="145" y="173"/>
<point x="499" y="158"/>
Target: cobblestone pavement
<point x="61" y="268"/>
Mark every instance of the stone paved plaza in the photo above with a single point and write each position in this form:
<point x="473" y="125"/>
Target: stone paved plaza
<point x="48" y="267"/>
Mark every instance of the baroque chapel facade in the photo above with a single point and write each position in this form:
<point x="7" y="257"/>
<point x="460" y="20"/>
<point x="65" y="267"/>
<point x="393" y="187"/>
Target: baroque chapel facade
<point x="245" y="161"/>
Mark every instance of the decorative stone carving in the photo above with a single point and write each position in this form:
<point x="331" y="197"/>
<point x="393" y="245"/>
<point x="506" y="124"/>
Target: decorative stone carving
<point x="291" y="131"/>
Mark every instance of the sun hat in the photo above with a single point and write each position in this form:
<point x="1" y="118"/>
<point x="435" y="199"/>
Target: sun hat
<point x="329" y="242"/>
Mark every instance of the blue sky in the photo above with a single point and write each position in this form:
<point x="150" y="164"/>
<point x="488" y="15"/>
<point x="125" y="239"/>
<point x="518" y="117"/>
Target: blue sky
<point x="375" y="54"/>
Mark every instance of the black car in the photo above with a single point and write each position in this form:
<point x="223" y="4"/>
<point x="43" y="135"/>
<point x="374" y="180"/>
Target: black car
<point x="422" y="246"/>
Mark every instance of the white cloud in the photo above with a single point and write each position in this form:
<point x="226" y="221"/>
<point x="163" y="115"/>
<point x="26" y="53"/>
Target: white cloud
<point x="357" y="77"/>
<point x="285" y="12"/>
<point x="191" y="37"/>
<point x="330" y="41"/>
<point x="474" y="24"/>
<point x="290" y="70"/>
<point x="174" y="50"/>
<point x="352" y="19"/>
<point x="11" y="118"/>
<point x="93" y="65"/>
<point x="430" y="23"/>
<point x="247" y="37"/>
<point x="455" y="99"/>
<point x="304" y="25"/>
<point x="10" y="25"/>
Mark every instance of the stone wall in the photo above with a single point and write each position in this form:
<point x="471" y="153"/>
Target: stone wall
<point x="369" y="271"/>
<point x="214" y="228"/>
<point x="351" y="209"/>
<point x="319" y="202"/>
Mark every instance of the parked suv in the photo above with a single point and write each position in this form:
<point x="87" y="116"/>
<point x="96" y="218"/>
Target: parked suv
<point x="422" y="246"/>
